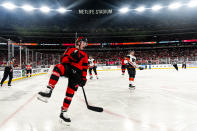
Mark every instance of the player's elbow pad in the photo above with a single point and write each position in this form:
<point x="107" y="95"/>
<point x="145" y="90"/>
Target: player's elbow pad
<point x="65" y="60"/>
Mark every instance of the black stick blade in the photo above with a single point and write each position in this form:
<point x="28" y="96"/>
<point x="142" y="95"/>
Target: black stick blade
<point x="97" y="109"/>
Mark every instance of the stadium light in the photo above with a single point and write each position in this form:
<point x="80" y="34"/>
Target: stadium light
<point x="192" y="3"/>
<point x="45" y="9"/>
<point x="140" y="9"/>
<point x="61" y="10"/>
<point x="175" y="6"/>
<point x="9" y="6"/>
<point x="156" y="7"/>
<point x="124" y="10"/>
<point x="28" y="8"/>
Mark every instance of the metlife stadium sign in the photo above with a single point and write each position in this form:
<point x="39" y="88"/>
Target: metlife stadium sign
<point x="95" y="12"/>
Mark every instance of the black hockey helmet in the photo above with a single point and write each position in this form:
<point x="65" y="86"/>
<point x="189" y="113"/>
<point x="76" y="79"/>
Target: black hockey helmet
<point x="79" y="39"/>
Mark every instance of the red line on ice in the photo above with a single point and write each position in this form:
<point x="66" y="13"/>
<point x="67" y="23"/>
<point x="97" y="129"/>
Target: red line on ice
<point x="124" y="117"/>
<point x="106" y="111"/>
<point x="18" y="110"/>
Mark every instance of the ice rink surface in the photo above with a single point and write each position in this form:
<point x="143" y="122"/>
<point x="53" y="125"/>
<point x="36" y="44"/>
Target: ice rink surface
<point x="164" y="100"/>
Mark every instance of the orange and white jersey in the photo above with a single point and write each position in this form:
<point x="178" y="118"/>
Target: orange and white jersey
<point x="132" y="60"/>
<point x="126" y="61"/>
<point x="28" y="67"/>
<point x="92" y="63"/>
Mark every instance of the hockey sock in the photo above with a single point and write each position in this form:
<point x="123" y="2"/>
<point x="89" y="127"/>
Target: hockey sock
<point x="69" y="95"/>
<point x="57" y="72"/>
<point x="131" y="80"/>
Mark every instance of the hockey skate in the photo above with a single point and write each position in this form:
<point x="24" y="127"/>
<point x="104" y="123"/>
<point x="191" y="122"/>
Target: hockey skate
<point x="131" y="86"/>
<point x="64" y="119"/>
<point x="91" y="77"/>
<point x="45" y="95"/>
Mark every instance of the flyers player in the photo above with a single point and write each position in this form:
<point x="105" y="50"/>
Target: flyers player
<point x="28" y="70"/>
<point x="131" y="67"/>
<point x="92" y="66"/>
<point x="74" y="65"/>
<point x="123" y="67"/>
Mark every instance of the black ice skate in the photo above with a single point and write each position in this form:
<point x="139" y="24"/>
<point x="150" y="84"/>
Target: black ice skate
<point x="91" y="77"/>
<point x="64" y="119"/>
<point x="131" y="86"/>
<point x="9" y="85"/>
<point x="45" y="95"/>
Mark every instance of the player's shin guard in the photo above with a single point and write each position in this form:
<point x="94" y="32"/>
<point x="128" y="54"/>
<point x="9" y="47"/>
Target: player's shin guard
<point x="67" y="100"/>
<point x="45" y="95"/>
<point x="57" y="71"/>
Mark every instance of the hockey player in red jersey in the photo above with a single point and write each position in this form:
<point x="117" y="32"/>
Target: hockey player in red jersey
<point x="74" y="65"/>
<point x="92" y="66"/>
<point x="123" y="67"/>
<point x="28" y="70"/>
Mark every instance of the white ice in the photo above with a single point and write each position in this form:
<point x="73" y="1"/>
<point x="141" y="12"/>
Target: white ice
<point x="164" y="100"/>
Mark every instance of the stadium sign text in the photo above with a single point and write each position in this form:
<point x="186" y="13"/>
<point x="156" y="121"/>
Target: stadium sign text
<point x="95" y="12"/>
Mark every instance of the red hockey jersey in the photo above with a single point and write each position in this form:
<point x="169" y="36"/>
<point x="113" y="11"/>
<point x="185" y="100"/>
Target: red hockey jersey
<point x="122" y="61"/>
<point x="81" y="63"/>
<point x="28" y="67"/>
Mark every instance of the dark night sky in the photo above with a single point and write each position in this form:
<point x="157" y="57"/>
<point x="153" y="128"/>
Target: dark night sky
<point x="17" y="21"/>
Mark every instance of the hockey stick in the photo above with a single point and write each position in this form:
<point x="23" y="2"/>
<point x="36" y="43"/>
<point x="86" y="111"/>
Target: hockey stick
<point x="93" y="108"/>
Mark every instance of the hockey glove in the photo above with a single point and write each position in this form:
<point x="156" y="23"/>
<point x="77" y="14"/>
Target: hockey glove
<point x="141" y="68"/>
<point x="82" y="82"/>
<point x="75" y="56"/>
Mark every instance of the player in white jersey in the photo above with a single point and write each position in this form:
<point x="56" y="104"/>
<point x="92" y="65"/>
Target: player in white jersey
<point x="92" y="66"/>
<point x="131" y="67"/>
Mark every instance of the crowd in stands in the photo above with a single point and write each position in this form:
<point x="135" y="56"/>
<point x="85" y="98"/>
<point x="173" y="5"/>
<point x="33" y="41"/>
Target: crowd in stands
<point x="148" y="56"/>
<point x="151" y="56"/>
